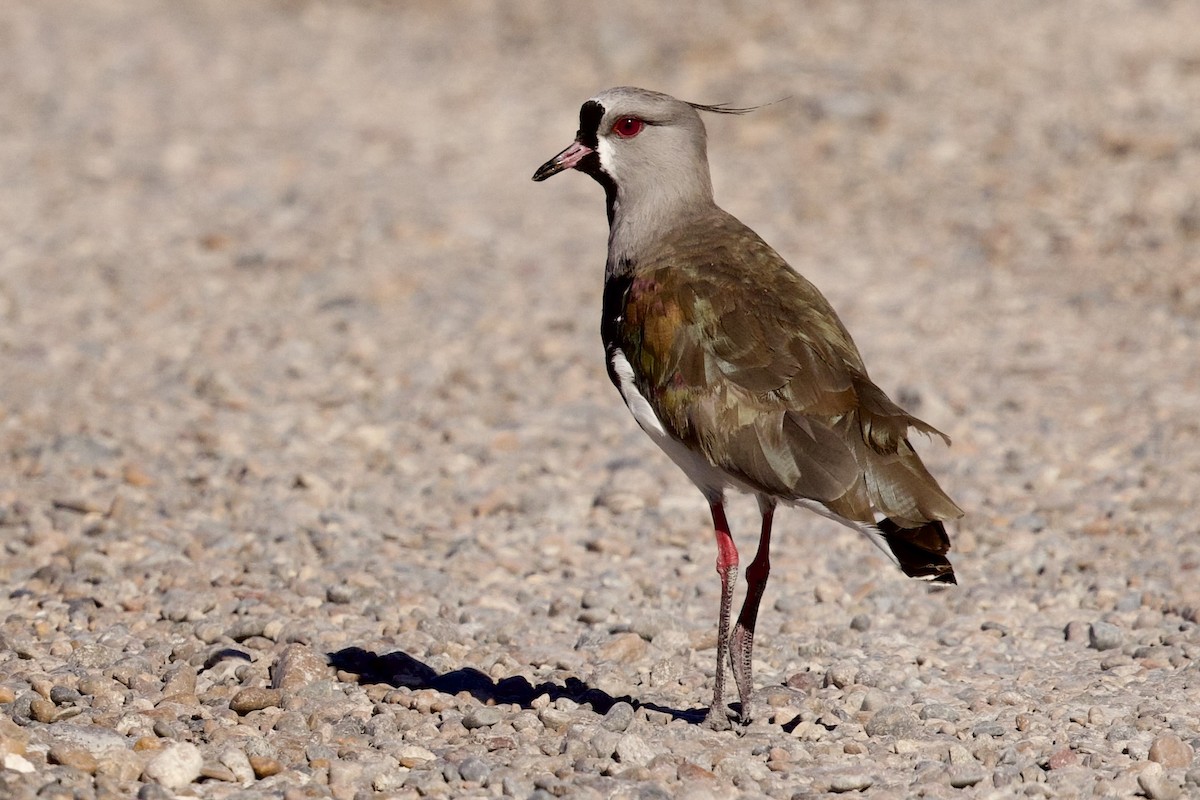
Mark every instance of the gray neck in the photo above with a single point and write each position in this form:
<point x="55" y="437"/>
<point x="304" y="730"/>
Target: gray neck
<point x="643" y="214"/>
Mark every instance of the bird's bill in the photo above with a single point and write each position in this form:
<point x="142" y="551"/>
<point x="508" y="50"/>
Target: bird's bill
<point x="565" y="160"/>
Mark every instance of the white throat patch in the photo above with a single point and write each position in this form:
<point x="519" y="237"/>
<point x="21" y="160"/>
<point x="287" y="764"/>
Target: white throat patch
<point x="604" y="149"/>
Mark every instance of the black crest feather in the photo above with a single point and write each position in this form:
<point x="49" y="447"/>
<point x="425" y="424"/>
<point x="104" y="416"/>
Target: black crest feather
<point x="725" y="108"/>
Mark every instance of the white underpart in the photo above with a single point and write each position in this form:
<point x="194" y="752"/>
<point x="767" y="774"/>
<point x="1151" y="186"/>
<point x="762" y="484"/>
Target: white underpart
<point x="872" y="533"/>
<point x="708" y="479"/>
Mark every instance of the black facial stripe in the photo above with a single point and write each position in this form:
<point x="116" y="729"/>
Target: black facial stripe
<point x="590" y="165"/>
<point x="590" y="114"/>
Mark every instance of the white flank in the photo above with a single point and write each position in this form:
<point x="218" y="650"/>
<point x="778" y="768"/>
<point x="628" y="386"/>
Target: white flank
<point x="708" y="479"/>
<point x="637" y="403"/>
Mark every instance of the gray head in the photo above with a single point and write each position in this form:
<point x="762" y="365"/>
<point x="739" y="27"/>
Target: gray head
<point x="647" y="149"/>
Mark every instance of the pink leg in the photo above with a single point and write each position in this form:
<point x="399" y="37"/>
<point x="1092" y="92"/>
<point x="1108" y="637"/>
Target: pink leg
<point x="727" y="568"/>
<point x="742" y="643"/>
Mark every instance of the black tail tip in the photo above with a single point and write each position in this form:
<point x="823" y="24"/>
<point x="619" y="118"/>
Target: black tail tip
<point x="921" y="550"/>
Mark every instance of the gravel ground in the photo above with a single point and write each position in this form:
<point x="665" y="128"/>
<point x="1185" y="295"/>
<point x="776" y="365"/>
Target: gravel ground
<point x="312" y="483"/>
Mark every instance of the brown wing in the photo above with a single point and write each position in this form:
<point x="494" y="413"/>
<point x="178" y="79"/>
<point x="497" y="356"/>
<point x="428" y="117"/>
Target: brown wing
<point x="745" y="360"/>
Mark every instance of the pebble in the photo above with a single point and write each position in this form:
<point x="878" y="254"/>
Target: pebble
<point x="176" y="766"/>
<point x="1158" y="786"/>
<point x="963" y="775"/>
<point x="153" y="791"/>
<point x="1063" y="757"/>
<point x="255" y="699"/>
<point x="297" y="667"/>
<point x="96" y="739"/>
<point x="841" y="675"/>
<point x="874" y="700"/>
<point x="632" y="750"/>
<point x="412" y="755"/>
<point x="891" y="721"/>
<point x="43" y="710"/>
<point x="238" y="763"/>
<point x="264" y="766"/>
<point x="624" y="648"/>
<point x="1105" y="636"/>
<point x="1171" y="751"/>
<point x="474" y="770"/>
<point x="940" y="711"/>
<point x="850" y="782"/>
<point x="70" y="756"/>
<point x="482" y="717"/>
<point x="618" y="718"/>
<point x="18" y="763"/>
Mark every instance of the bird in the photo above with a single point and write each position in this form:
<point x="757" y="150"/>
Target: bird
<point x="738" y="368"/>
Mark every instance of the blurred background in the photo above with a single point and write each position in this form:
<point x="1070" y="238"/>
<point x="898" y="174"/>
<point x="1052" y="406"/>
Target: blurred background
<point x="325" y="208"/>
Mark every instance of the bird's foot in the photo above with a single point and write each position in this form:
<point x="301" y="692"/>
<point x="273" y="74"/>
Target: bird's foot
<point x="741" y="649"/>
<point x="718" y="719"/>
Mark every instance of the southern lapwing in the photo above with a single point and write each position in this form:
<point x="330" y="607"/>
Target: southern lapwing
<point x="736" y="366"/>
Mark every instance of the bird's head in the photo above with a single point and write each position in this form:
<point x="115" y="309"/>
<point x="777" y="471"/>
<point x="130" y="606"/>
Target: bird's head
<point x="643" y="147"/>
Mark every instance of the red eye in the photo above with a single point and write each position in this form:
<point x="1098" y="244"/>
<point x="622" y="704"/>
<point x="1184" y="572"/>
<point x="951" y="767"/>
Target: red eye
<point x="628" y="127"/>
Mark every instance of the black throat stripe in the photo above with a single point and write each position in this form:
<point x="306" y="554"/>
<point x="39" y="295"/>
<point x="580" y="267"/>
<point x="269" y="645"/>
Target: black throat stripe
<point x="590" y="114"/>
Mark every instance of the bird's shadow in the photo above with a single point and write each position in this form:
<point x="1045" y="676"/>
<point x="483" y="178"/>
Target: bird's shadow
<point x="401" y="670"/>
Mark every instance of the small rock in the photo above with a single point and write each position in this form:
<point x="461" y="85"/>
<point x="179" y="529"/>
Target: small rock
<point x="963" y="775"/>
<point x="1158" y="787"/>
<point x="244" y="628"/>
<point x="604" y="744"/>
<point x="75" y="757"/>
<point x="297" y="667"/>
<point x="412" y="755"/>
<point x="633" y="751"/>
<point x="989" y="728"/>
<point x="255" y="698"/>
<point x="841" y="675"/>
<point x="1105" y="636"/>
<point x="61" y="695"/>
<point x="618" y="718"/>
<point x="482" y="717"/>
<point x="42" y="710"/>
<point x="940" y="711"/>
<point x="891" y="721"/>
<point x="779" y="755"/>
<point x="1077" y="631"/>
<point x="344" y="776"/>
<point x="850" y="782"/>
<point x="804" y="681"/>
<point x="690" y="771"/>
<point x="474" y="770"/>
<point x="238" y="763"/>
<point x="218" y="772"/>
<point x="120" y="765"/>
<point x="176" y="766"/>
<point x="860" y="622"/>
<point x="874" y="700"/>
<point x="17" y="763"/>
<point x="958" y="754"/>
<point x="152" y="791"/>
<point x="555" y="718"/>
<point x="425" y="781"/>
<point x="1171" y="751"/>
<point x="1064" y="757"/>
<point x="265" y="766"/>
<point x="624" y="648"/>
